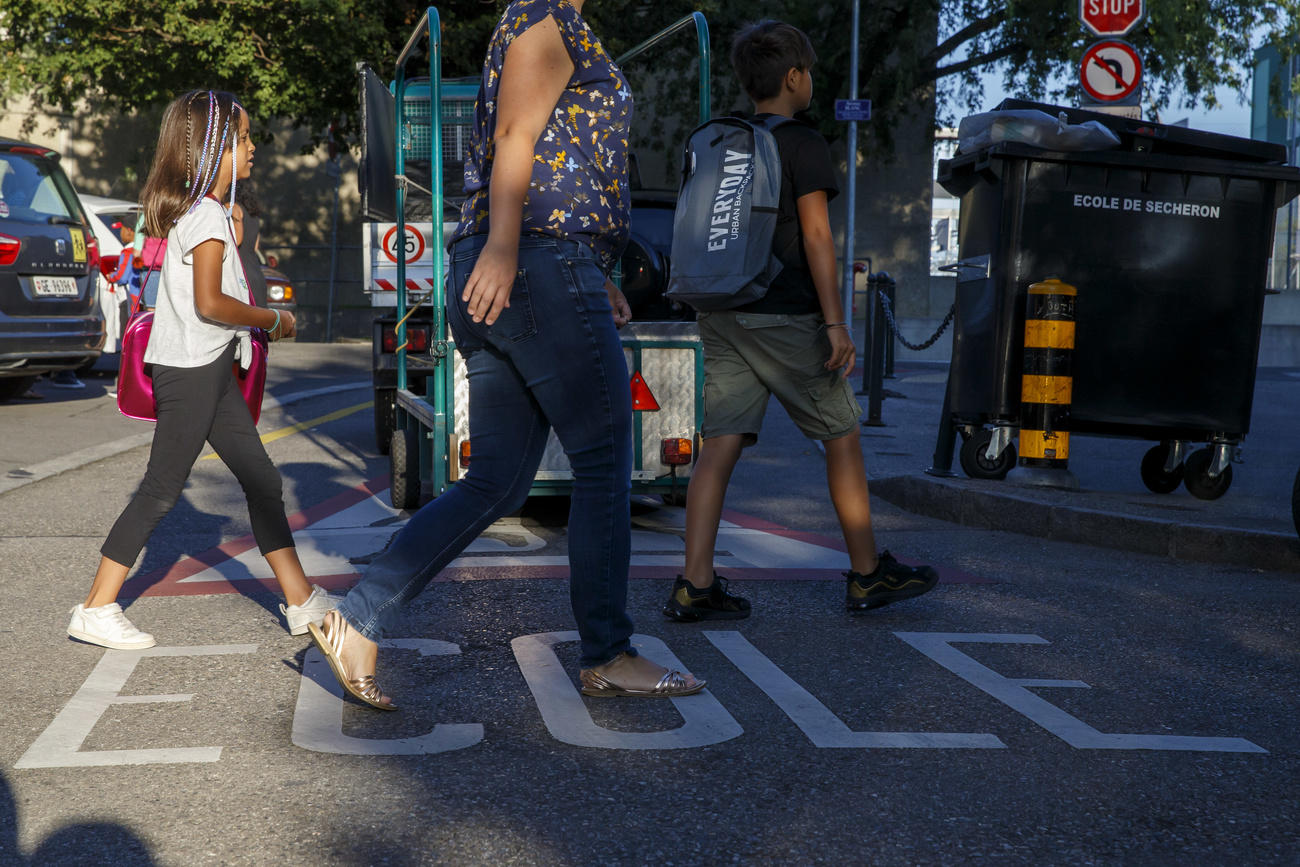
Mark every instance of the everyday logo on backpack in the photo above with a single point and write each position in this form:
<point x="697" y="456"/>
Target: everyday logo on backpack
<point x="726" y="214"/>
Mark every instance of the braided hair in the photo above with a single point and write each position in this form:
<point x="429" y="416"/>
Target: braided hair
<point x="198" y="129"/>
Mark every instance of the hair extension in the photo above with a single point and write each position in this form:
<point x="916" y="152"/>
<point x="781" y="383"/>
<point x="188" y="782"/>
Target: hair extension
<point x="180" y="158"/>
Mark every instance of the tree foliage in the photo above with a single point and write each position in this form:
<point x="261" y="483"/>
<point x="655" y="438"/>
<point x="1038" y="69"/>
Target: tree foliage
<point x="296" y="58"/>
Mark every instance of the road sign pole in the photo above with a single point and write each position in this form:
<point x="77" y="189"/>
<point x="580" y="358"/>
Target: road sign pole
<point x="851" y="193"/>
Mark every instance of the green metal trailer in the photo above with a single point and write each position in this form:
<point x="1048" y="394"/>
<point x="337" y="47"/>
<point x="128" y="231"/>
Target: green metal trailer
<point x="431" y="442"/>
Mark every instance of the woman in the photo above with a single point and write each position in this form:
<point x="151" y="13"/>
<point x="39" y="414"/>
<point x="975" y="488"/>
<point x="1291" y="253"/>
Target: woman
<point x="545" y="218"/>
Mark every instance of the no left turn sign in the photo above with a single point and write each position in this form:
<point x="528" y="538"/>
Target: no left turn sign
<point x="1111" y="72"/>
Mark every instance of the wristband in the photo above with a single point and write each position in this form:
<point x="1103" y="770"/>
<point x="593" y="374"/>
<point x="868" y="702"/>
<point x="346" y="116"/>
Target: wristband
<point x="276" y="326"/>
<point x="836" y="325"/>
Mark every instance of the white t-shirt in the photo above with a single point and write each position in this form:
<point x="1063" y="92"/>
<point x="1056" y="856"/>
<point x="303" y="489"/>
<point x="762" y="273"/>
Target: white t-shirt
<point x="180" y="337"/>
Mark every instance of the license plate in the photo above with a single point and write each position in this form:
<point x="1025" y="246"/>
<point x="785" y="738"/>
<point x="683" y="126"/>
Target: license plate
<point x="62" y="286"/>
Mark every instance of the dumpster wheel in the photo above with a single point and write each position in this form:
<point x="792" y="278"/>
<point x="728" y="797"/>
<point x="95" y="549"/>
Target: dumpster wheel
<point x="1197" y="478"/>
<point x="975" y="460"/>
<point x="1153" y="471"/>
<point x="1295" y="502"/>
<point x="404" y="470"/>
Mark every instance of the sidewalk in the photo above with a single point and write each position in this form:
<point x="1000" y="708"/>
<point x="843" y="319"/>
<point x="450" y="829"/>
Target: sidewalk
<point x="1250" y="525"/>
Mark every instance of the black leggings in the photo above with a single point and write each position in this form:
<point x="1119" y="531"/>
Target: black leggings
<point x="197" y="404"/>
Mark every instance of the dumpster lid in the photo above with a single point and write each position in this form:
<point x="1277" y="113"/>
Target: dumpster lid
<point x="1147" y="136"/>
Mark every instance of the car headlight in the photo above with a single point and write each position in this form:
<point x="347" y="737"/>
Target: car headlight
<point x="279" y="292"/>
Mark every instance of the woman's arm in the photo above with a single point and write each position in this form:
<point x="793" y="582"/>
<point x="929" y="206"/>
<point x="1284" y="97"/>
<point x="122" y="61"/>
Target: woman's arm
<point x="217" y="306"/>
<point x="536" y="71"/>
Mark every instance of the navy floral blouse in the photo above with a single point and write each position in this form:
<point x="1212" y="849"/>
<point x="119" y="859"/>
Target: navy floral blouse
<point x="578" y="188"/>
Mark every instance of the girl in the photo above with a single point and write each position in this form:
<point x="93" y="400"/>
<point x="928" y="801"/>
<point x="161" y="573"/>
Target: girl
<point x="200" y="329"/>
<point x="535" y="319"/>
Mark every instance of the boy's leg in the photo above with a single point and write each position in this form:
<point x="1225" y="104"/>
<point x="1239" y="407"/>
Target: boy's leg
<point x="704" y="499"/>
<point x="846" y="476"/>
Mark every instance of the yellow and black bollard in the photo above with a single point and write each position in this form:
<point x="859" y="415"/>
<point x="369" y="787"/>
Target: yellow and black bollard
<point x="1047" y="386"/>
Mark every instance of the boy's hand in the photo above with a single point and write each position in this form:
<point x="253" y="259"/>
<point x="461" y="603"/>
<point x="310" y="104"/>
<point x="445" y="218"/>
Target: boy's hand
<point x="843" y="352"/>
<point x="618" y="301"/>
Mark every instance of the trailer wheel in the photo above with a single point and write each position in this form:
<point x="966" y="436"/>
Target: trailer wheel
<point x="404" y="470"/>
<point x="385" y="418"/>
<point x="975" y="462"/>
<point x="1295" y="502"/>
<point x="1196" y="476"/>
<point x="1153" y="471"/>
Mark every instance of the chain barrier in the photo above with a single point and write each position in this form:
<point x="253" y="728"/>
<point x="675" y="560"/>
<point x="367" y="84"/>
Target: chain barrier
<point x="887" y="307"/>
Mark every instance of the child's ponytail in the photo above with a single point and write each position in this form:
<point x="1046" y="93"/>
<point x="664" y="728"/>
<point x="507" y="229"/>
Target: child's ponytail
<point x="198" y="129"/>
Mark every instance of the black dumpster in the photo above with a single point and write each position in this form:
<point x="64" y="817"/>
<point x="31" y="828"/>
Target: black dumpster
<point x="1167" y="239"/>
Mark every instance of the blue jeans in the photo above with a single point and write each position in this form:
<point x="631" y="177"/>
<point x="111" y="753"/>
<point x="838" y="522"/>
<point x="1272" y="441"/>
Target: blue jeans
<point x="552" y="360"/>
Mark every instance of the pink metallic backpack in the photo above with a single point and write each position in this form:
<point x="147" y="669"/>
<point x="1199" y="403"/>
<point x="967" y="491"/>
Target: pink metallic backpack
<point x="135" y="387"/>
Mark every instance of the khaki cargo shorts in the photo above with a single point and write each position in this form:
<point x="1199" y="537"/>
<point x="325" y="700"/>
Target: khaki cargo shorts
<point x="751" y="356"/>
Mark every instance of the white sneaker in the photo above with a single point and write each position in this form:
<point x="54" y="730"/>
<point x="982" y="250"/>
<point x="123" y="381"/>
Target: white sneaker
<point x="107" y="626"/>
<point x="312" y="610"/>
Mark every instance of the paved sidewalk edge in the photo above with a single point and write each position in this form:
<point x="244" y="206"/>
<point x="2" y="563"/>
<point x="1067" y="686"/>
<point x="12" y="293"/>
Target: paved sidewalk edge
<point x="1002" y="510"/>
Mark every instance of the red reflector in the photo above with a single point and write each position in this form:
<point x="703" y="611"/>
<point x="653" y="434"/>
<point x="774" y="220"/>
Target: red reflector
<point x="388" y="342"/>
<point x="676" y="451"/>
<point x="9" y="248"/>
<point x="418" y="339"/>
<point x="464" y="454"/>
<point x="642" y="398"/>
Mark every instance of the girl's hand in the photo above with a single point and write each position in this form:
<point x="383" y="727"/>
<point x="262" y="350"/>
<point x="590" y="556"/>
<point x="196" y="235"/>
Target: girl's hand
<point x="288" y="326"/>
<point x="487" y="292"/>
<point x="618" y="301"/>
<point x="843" y="352"/>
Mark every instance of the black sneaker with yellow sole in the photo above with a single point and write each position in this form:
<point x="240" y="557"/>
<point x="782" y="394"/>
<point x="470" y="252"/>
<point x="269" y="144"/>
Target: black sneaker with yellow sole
<point x="891" y="581"/>
<point x="689" y="603"/>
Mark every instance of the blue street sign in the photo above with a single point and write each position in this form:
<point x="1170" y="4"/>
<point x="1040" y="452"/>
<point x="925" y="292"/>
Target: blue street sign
<point x="853" y="109"/>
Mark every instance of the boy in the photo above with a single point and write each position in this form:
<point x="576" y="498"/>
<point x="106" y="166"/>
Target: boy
<point x="795" y="343"/>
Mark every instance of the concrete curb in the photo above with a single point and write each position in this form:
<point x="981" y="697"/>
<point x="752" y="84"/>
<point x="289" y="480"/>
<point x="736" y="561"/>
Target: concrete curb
<point x="971" y="505"/>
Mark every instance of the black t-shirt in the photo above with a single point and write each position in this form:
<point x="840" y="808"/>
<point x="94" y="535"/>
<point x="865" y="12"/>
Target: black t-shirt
<point x="806" y="167"/>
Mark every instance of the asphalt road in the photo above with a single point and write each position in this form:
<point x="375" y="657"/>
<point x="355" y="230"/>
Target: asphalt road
<point x="1048" y="703"/>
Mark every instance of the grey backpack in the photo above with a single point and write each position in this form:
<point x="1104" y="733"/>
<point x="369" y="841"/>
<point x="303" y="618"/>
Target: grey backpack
<point x="726" y="214"/>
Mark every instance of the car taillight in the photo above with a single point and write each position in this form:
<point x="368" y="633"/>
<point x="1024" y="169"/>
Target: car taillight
<point x="676" y="451"/>
<point x="417" y="339"/>
<point x="642" y="398"/>
<point x="9" y="248"/>
<point x="464" y="454"/>
<point x="92" y="252"/>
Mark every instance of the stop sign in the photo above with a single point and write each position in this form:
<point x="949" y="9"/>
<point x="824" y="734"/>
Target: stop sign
<point x="1111" y="17"/>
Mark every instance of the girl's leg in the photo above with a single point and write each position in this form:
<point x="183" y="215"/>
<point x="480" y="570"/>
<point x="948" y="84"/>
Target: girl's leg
<point x="185" y="412"/>
<point x="235" y="439"/>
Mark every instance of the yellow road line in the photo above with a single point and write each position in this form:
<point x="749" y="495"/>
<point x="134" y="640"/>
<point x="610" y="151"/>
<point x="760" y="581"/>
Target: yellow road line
<point x="304" y="425"/>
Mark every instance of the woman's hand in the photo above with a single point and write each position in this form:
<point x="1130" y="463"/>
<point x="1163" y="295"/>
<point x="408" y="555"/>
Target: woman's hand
<point x="618" y="301"/>
<point x="843" y="352"/>
<point x="487" y="292"/>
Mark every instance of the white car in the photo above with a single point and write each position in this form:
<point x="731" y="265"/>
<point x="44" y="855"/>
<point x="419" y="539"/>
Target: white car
<point x="111" y="220"/>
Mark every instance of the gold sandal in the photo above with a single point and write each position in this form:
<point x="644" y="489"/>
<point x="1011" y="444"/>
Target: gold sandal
<point x="672" y="685"/>
<point x="329" y="637"/>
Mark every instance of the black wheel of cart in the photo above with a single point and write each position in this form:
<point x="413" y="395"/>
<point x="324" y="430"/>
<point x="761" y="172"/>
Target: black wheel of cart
<point x="1153" y="471"/>
<point x="385" y="418"/>
<point x="1295" y="502"/>
<point x="975" y="461"/>
<point x="1196" y="476"/>
<point x="404" y="470"/>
